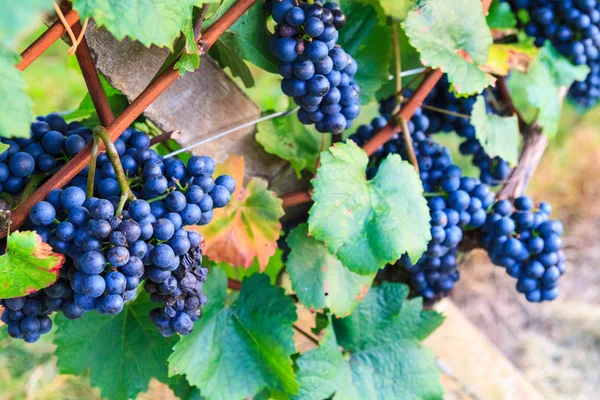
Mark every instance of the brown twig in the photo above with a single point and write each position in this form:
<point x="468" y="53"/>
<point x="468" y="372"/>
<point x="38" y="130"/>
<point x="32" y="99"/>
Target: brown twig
<point x="198" y="24"/>
<point x="294" y="199"/>
<point x="306" y="334"/>
<point x="415" y="101"/>
<point x="506" y="98"/>
<point x="43" y="43"/>
<point x="135" y="109"/>
<point x="534" y="145"/>
<point x="162" y="138"/>
<point x="401" y="122"/>
<point x="234" y="285"/>
<point x="92" y="80"/>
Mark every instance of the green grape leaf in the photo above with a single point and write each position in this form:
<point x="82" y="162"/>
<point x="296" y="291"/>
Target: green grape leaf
<point x="499" y="136"/>
<point x="123" y="352"/>
<point x="238" y="349"/>
<point x="3" y="147"/>
<point x="368" y="224"/>
<point x="28" y="266"/>
<point x="248" y="37"/>
<point x="442" y="30"/>
<point x="319" y="278"/>
<point x="563" y="71"/>
<point x="16" y="112"/>
<point x="272" y="269"/>
<point x="500" y="16"/>
<point x="17" y="16"/>
<point x="227" y="58"/>
<point x="383" y="357"/>
<point x="368" y="39"/>
<point x="537" y="93"/>
<point x="397" y="9"/>
<point x="292" y="141"/>
<point x="190" y="59"/>
<point x="149" y="22"/>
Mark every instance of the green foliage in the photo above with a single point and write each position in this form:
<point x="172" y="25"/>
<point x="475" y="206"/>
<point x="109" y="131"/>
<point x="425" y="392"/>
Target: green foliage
<point x="147" y="21"/>
<point x="28" y="266"/>
<point x="272" y="269"/>
<point x="368" y="39"/>
<point x="319" y="278"/>
<point x="17" y="16"/>
<point x="368" y="224"/>
<point x="122" y="352"/>
<point x="228" y="58"/>
<point x="289" y="139"/>
<point x="86" y="112"/>
<point x="440" y="29"/>
<point x="537" y="94"/>
<point x="237" y="338"/>
<point x="247" y="38"/>
<point x="190" y="59"/>
<point x="500" y="16"/>
<point x="397" y="8"/>
<point x="383" y="357"/>
<point x="15" y="107"/>
<point x="499" y="136"/>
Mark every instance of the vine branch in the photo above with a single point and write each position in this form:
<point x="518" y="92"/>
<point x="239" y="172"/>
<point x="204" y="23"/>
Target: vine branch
<point x="506" y="98"/>
<point x="92" y="80"/>
<point x="46" y="39"/>
<point x="134" y="110"/>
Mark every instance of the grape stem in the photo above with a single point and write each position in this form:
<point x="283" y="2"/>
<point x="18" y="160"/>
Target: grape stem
<point x="92" y="170"/>
<point x="126" y="193"/>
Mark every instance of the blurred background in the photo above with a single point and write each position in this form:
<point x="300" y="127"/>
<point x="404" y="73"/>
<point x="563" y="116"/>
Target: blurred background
<point x="556" y="346"/>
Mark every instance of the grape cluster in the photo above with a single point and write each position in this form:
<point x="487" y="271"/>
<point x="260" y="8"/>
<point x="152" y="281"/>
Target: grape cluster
<point x="458" y="203"/>
<point x="493" y="171"/>
<point x="107" y="256"/>
<point x="525" y="242"/>
<point x="27" y="317"/>
<point x="573" y="27"/>
<point x="317" y="73"/>
<point x="50" y="144"/>
<point x="181" y="294"/>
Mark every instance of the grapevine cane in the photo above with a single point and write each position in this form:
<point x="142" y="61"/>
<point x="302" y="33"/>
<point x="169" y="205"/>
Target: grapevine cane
<point x="126" y="193"/>
<point x="116" y="128"/>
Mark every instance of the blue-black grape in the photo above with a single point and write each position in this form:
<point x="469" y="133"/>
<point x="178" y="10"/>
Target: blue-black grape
<point x="523" y="240"/>
<point x="104" y="252"/>
<point x="573" y="27"/>
<point x="313" y="66"/>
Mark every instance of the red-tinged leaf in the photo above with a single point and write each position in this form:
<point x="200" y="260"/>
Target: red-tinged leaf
<point x="28" y="266"/>
<point x="248" y="227"/>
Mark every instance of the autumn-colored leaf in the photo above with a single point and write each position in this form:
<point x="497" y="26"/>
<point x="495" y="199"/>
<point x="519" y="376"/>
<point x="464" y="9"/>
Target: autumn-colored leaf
<point x="248" y="227"/>
<point x="504" y="58"/>
<point x="28" y="266"/>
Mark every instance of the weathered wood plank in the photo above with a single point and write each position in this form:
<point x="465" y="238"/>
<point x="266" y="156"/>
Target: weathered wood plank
<point x="198" y="105"/>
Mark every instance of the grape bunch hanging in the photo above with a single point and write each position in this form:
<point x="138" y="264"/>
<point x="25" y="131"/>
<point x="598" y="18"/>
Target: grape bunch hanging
<point x="110" y="252"/>
<point x="317" y="73"/>
<point x="523" y="241"/>
<point x="573" y="27"/>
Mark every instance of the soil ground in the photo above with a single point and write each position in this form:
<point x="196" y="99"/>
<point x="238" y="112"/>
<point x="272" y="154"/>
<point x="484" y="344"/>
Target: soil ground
<point x="556" y="345"/>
